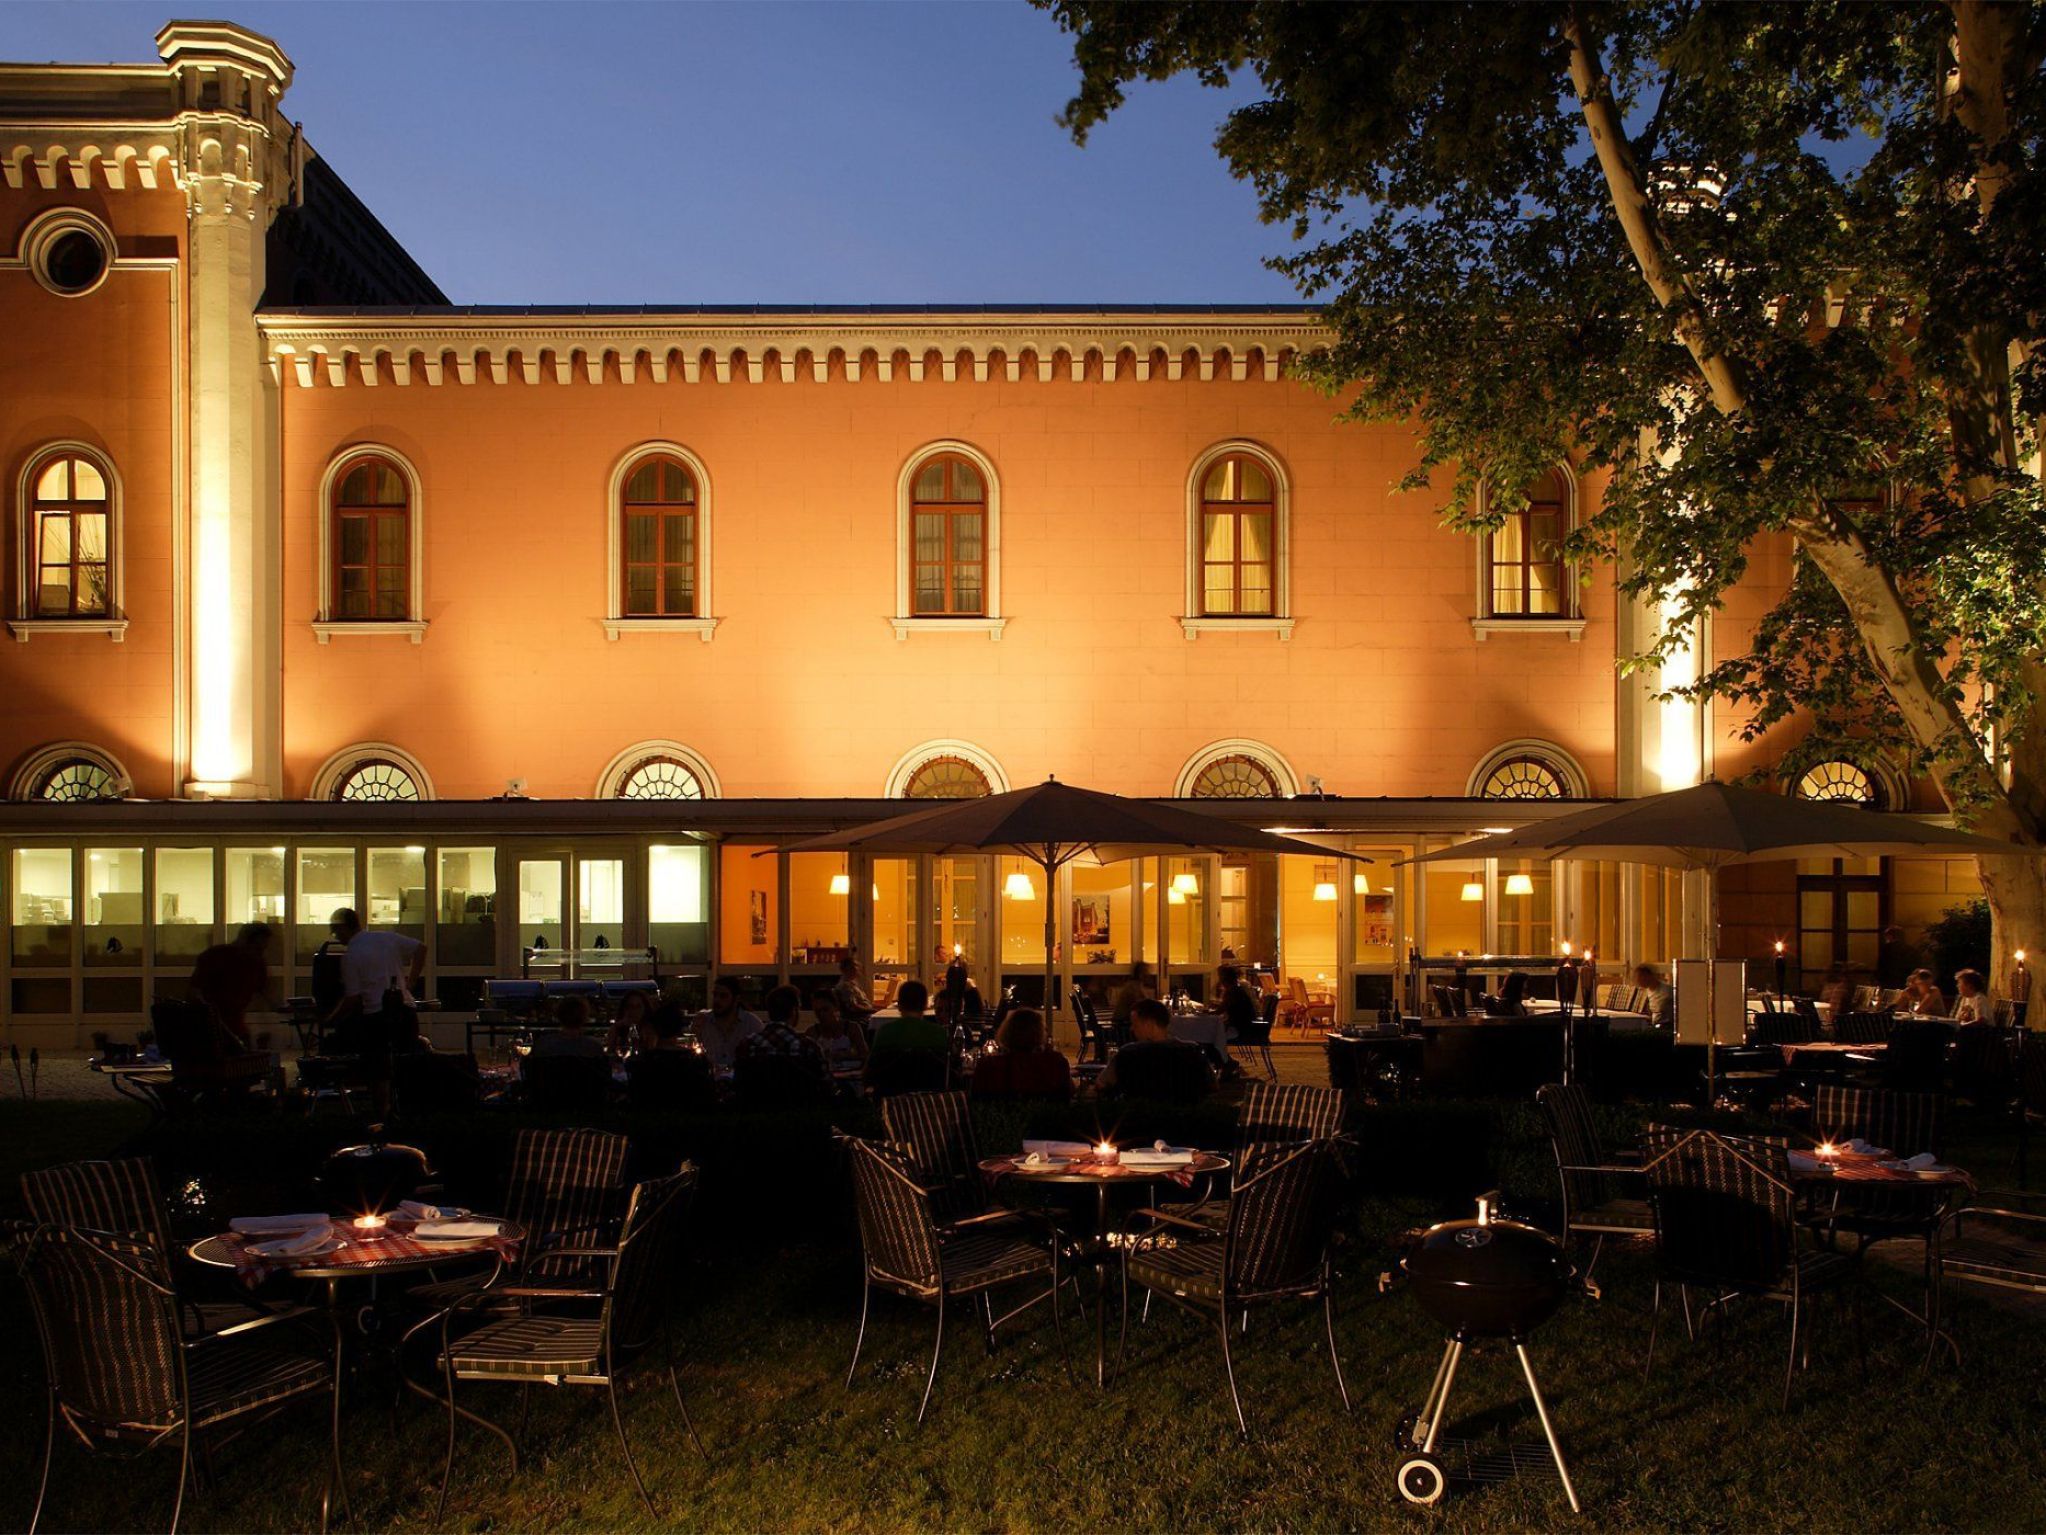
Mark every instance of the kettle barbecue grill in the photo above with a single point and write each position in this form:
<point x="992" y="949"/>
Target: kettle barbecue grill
<point x="1489" y="1277"/>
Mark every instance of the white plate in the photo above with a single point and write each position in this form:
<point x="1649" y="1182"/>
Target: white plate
<point x="332" y="1244"/>
<point x="457" y="1236"/>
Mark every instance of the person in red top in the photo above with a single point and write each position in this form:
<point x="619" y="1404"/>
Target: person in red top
<point x="229" y="977"/>
<point x="1024" y="1066"/>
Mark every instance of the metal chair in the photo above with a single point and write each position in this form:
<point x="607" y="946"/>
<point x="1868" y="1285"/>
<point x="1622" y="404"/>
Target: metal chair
<point x="1273" y="1245"/>
<point x="1861" y="1028"/>
<point x="120" y="1369"/>
<point x="1726" y="1222"/>
<point x="1906" y="1123"/>
<point x="1590" y="1179"/>
<point x="906" y="1252"/>
<point x="564" y="1344"/>
<point x="1271" y="1119"/>
<point x="935" y="1131"/>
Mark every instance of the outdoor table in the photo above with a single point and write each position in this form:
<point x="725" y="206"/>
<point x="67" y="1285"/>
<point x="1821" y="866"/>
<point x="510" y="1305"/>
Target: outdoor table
<point x="1209" y="1030"/>
<point x="1834" y="1050"/>
<point x="1101" y="1176"/>
<point x="395" y="1251"/>
<point x="1838" y="1178"/>
<point x="143" y="1082"/>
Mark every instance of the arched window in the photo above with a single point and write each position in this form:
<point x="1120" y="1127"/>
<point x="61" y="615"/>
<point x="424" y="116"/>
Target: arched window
<point x="948" y="542"/>
<point x="69" y="542"/>
<point x="945" y="770"/>
<point x="372" y="773"/>
<point x="660" y="778"/>
<point x="1528" y="769"/>
<point x="1236" y="769"/>
<point x="1239" y="547"/>
<point x="1844" y="781"/>
<point x="70" y="773"/>
<point x="948" y="539"/>
<point x="371" y="541"/>
<point x="1237" y="540"/>
<point x="1234" y="777"/>
<point x="659" y="517"/>
<point x="662" y="770"/>
<point x="376" y="780"/>
<point x="946" y="778"/>
<point x="1525" y="572"/>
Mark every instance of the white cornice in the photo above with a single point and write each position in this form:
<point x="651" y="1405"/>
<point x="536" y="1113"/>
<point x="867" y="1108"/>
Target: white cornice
<point x="368" y="349"/>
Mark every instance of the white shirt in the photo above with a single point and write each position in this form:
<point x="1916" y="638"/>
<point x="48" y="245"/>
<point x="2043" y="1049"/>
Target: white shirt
<point x="371" y="959"/>
<point x="721" y="1039"/>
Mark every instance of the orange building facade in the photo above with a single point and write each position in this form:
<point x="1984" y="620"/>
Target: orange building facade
<point x="527" y="628"/>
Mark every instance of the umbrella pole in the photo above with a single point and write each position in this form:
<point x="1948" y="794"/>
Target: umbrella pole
<point x="1051" y="995"/>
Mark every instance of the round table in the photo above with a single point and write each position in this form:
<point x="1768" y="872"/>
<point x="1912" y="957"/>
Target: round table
<point x="1930" y="1194"/>
<point x="394" y="1253"/>
<point x="1101" y="1177"/>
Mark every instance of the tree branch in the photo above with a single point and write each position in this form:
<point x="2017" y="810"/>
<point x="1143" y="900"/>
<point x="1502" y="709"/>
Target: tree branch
<point x="1636" y="212"/>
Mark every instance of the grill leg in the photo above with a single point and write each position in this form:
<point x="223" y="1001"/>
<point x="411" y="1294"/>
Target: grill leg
<point x="866" y="1300"/>
<point x="1548" y="1429"/>
<point x="1439" y="1399"/>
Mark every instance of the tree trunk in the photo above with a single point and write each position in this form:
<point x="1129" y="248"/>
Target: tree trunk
<point x="1989" y="36"/>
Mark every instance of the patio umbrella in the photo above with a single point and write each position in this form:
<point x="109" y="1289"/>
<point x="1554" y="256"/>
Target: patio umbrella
<point x="1054" y="824"/>
<point x="1713" y="825"/>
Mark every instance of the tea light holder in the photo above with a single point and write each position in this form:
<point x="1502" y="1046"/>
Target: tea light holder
<point x="368" y="1228"/>
<point x="1106" y="1153"/>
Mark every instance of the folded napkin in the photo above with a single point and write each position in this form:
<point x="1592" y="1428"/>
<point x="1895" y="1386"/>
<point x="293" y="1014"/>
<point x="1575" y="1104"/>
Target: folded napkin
<point x="1064" y="1149"/>
<point x="298" y="1246"/>
<point x="1158" y="1154"/>
<point x="425" y="1212"/>
<point x="1925" y="1161"/>
<point x="1861" y="1147"/>
<point x="271" y="1225"/>
<point x="1805" y="1162"/>
<point x="456" y="1230"/>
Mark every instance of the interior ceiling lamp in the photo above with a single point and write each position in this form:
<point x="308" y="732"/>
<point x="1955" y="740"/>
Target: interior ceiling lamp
<point x="1017" y="887"/>
<point x="1473" y="890"/>
<point x="841" y="884"/>
<point x="1520" y="884"/>
<point x="1186" y="884"/>
<point x="1325" y="883"/>
<point x="1361" y="883"/>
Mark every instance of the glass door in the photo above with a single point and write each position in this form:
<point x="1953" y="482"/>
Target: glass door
<point x="542" y="881"/>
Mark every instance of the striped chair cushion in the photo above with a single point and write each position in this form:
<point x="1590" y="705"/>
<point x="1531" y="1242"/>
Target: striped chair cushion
<point x="1990" y="1256"/>
<point x="1192" y="1269"/>
<point x="531" y="1348"/>
<point x="231" y="1376"/>
<point x="980" y="1259"/>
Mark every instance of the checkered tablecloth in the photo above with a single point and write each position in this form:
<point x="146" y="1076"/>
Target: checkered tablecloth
<point x="1107" y="1172"/>
<point x="395" y="1248"/>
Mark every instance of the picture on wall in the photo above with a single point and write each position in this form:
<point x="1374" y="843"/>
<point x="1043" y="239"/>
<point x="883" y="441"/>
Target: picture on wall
<point x="758" y="900"/>
<point x="1091" y="923"/>
<point x="1376" y="931"/>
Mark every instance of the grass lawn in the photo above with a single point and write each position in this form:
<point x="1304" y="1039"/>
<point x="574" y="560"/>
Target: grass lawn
<point x="1011" y="1444"/>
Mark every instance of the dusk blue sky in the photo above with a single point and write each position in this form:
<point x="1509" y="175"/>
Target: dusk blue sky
<point x="864" y="151"/>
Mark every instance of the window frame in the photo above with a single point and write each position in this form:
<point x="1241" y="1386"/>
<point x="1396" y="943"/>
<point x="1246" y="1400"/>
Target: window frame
<point x="913" y="761"/>
<point x="611" y="781"/>
<point x="338" y="768"/>
<point x="1570" y="619"/>
<point x="27" y="621"/>
<point x="37" y="768"/>
<point x="990" y="619"/>
<point x="328" y="624"/>
<point x="1568" y="771"/>
<point x="1195" y="618"/>
<point x="1267" y="757"/>
<point x="617" y="622"/>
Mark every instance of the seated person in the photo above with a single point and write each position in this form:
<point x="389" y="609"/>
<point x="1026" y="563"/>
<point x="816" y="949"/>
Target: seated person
<point x="777" y="1058"/>
<point x="1657" y="1000"/>
<point x="1973" y="1005"/>
<point x="1154" y="1064"/>
<point x="631" y="1026"/>
<point x="1922" y="997"/>
<point x="1837" y="993"/>
<point x="842" y="1040"/>
<point x="668" y="1074"/>
<point x="1024" y="1065"/>
<point x="854" y="1003"/>
<point x="726" y="1026"/>
<point x="570" y="1034"/>
<point x="1237" y="1003"/>
<point x="1132" y="991"/>
<point x="906" y="1046"/>
<point x="1510" y="1002"/>
<point x="959" y="999"/>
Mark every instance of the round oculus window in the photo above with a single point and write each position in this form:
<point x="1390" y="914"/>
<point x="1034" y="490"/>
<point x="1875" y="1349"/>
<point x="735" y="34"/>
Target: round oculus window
<point x="69" y="251"/>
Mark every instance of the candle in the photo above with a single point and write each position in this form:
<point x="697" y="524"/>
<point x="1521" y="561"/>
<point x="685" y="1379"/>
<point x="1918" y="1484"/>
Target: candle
<point x="368" y="1227"/>
<point x="1105" y="1152"/>
<point x="1826" y="1149"/>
